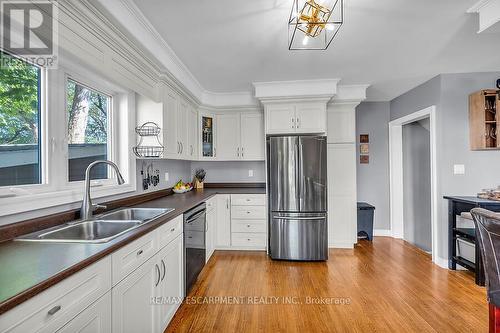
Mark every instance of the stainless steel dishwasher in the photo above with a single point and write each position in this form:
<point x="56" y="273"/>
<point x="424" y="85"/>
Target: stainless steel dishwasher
<point x="194" y="243"/>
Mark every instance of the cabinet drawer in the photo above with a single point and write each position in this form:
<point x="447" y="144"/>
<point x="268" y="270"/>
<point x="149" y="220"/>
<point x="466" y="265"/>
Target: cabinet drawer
<point x="248" y="212"/>
<point x="248" y="239"/>
<point x="248" y="200"/>
<point x="131" y="256"/>
<point x="94" y="319"/>
<point x="210" y="204"/>
<point x="56" y="306"/>
<point x="248" y="225"/>
<point x="168" y="231"/>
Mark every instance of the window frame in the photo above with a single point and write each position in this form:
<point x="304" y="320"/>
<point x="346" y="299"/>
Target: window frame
<point x="111" y="149"/>
<point x="56" y="189"/>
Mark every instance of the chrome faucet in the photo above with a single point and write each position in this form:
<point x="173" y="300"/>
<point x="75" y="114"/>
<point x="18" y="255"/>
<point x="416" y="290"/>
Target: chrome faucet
<point x="87" y="207"/>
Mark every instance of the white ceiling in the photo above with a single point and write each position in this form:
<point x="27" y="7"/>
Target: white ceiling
<point x="393" y="45"/>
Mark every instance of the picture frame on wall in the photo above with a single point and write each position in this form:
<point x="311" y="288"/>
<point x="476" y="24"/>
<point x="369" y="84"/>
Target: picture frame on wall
<point x="364" y="148"/>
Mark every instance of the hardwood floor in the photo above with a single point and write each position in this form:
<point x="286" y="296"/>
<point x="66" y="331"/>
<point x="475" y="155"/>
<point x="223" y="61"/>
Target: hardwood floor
<point x="389" y="286"/>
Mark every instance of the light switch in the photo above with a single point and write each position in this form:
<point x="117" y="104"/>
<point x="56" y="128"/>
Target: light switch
<point x="459" y="169"/>
<point x="166" y="176"/>
<point x="250" y="173"/>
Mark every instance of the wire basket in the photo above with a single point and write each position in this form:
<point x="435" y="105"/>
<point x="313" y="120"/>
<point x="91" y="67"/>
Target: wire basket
<point x="148" y="151"/>
<point x="148" y="129"/>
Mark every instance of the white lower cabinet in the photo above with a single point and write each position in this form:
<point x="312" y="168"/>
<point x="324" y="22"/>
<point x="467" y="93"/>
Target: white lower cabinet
<point x="223" y="223"/>
<point x="133" y="309"/>
<point x="210" y="228"/>
<point x="94" y="319"/>
<point x="170" y="289"/>
<point x="248" y="221"/>
<point x="146" y="300"/>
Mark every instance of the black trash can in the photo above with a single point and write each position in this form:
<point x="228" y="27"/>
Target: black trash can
<point x="365" y="220"/>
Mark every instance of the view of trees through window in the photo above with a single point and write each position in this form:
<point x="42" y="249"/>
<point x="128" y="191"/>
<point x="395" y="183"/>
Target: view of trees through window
<point x="19" y="122"/>
<point x="88" y="116"/>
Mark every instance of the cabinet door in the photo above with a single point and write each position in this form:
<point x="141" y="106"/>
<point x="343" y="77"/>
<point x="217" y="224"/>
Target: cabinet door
<point x="310" y="118"/>
<point x="223" y="222"/>
<point x="210" y="235"/>
<point x="182" y="129"/>
<point x="171" y="285"/>
<point x="192" y="125"/>
<point x="207" y="136"/>
<point x="280" y="119"/>
<point x="94" y="319"/>
<point x="170" y="125"/>
<point x="132" y="307"/>
<point x="228" y="137"/>
<point x="252" y="136"/>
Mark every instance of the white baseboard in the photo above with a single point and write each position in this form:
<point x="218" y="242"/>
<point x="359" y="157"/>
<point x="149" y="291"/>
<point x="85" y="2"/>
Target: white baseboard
<point x="441" y="262"/>
<point x="341" y="245"/>
<point x="382" y="232"/>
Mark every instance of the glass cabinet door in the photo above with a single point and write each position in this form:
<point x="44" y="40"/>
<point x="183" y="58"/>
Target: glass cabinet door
<point x="207" y="136"/>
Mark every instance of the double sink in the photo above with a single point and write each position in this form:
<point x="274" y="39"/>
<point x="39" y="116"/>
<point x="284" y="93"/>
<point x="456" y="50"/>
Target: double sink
<point x="100" y="229"/>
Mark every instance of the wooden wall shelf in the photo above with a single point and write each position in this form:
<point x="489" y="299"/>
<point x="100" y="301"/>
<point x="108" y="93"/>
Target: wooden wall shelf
<point x="484" y="120"/>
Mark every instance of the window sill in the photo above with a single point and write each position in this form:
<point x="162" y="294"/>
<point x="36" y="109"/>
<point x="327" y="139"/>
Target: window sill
<point x="30" y="202"/>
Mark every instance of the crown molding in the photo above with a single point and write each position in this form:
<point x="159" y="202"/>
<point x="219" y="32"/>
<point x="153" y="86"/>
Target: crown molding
<point x="299" y="89"/>
<point x="350" y="94"/>
<point x="489" y="15"/>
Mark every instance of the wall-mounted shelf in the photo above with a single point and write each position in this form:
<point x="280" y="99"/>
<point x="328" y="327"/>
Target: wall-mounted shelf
<point x="484" y="120"/>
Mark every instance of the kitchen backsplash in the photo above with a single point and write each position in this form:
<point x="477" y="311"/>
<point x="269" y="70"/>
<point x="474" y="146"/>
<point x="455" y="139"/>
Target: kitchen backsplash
<point x="232" y="172"/>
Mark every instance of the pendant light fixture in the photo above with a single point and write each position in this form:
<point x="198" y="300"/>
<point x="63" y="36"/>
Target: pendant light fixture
<point x="314" y="23"/>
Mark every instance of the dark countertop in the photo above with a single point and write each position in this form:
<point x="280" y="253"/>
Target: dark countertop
<point x="28" y="268"/>
<point x="472" y="200"/>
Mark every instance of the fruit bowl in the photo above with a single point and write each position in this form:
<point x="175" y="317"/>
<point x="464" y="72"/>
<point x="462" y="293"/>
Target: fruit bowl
<point x="187" y="189"/>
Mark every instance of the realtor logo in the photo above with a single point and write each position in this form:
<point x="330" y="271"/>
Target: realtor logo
<point x="29" y="31"/>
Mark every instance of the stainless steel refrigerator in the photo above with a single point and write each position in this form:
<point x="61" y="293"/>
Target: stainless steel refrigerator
<point x="297" y="184"/>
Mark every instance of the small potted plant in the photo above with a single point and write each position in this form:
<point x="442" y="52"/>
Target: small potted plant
<point x="199" y="177"/>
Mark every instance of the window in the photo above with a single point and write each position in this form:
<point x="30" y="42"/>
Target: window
<point x="20" y="143"/>
<point x="88" y="114"/>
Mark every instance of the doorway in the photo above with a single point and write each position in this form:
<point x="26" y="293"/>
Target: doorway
<point x="417" y="184"/>
<point x="397" y="178"/>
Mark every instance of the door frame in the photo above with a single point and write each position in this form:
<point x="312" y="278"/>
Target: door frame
<point x="396" y="174"/>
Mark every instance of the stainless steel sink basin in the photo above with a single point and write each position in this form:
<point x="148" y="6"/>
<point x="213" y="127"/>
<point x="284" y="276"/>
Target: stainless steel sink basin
<point x="141" y="214"/>
<point x="93" y="231"/>
<point x="99" y="230"/>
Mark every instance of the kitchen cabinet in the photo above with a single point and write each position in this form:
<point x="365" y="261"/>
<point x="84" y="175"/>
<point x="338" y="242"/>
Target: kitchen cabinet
<point x="240" y="136"/>
<point x="208" y="150"/>
<point x="192" y="125"/>
<point x="170" y="288"/>
<point x="94" y="319"/>
<point x="210" y="230"/>
<point x="169" y="124"/>
<point x="248" y="221"/>
<point x="228" y="137"/>
<point x="50" y="310"/>
<point x="223" y="223"/>
<point x="484" y="120"/>
<point x="300" y="117"/>
<point x="182" y="129"/>
<point x="132" y="309"/>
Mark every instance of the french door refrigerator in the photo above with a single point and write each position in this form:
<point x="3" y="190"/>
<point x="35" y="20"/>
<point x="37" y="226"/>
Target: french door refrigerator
<point x="297" y="184"/>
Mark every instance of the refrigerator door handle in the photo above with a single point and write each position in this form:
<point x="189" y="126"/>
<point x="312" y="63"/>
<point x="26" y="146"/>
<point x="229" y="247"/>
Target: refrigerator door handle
<point x="300" y="218"/>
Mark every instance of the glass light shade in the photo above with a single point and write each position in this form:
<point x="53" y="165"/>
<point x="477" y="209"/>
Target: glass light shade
<point x="314" y="23"/>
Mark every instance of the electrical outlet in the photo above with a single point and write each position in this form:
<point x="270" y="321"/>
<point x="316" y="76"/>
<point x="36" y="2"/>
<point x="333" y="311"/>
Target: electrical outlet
<point x="459" y="169"/>
<point x="166" y="177"/>
<point x="250" y="173"/>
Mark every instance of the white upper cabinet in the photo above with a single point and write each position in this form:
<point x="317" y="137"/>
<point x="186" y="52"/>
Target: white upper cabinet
<point x="300" y="117"/>
<point x="206" y="141"/>
<point x="280" y="119"/>
<point x="240" y="136"/>
<point x="192" y="123"/>
<point x="169" y="124"/>
<point x="228" y="137"/>
<point x="252" y="136"/>
<point x="182" y="129"/>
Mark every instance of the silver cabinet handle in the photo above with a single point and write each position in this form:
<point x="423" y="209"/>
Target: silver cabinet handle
<point x="178" y="147"/>
<point x="248" y="225"/>
<point x="139" y="252"/>
<point x="182" y="147"/>
<point x="215" y="152"/>
<point x="298" y="122"/>
<point x="192" y="150"/>
<point x="242" y="154"/>
<point x="164" y="269"/>
<point x="238" y="151"/>
<point x="53" y="311"/>
<point x="172" y="230"/>
<point x="293" y="122"/>
<point x="227" y="203"/>
<point x="157" y="271"/>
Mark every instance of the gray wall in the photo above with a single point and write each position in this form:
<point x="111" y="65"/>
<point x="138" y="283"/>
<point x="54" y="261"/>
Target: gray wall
<point x="417" y="185"/>
<point x="231" y="172"/>
<point x="373" y="179"/>
<point x="449" y="92"/>
<point x="177" y="170"/>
